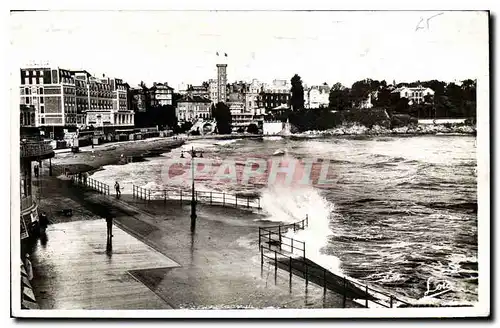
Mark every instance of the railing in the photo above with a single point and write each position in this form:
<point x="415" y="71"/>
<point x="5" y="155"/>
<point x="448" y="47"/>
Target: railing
<point x="206" y="197"/>
<point x="273" y="238"/>
<point x="26" y="203"/>
<point x="279" y="250"/>
<point x="91" y="183"/>
<point x="311" y="272"/>
<point x="35" y="148"/>
<point x="143" y="193"/>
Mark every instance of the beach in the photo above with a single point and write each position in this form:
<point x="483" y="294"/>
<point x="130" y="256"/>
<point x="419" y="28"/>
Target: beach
<point x="90" y="159"/>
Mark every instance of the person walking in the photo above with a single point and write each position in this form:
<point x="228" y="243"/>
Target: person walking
<point x="117" y="188"/>
<point x="28" y="267"/>
<point x="109" y="223"/>
<point x="44" y="221"/>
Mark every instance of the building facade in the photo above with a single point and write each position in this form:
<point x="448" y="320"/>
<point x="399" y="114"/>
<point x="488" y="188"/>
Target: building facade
<point x="317" y="96"/>
<point x="52" y="93"/>
<point x="199" y="90"/>
<point x="240" y="118"/>
<point x="161" y="94"/>
<point x="69" y="99"/>
<point x="221" y="83"/>
<point x="415" y="95"/>
<point x="27" y="116"/>
<point x="252" y="95"/>
<point x="212" y="90"/>
<point x="270" y="100"/>
<point x="189" y="108"/>
<point x="108" y="104"/>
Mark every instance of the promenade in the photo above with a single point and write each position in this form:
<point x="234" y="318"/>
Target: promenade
<point x="156" y="258"/>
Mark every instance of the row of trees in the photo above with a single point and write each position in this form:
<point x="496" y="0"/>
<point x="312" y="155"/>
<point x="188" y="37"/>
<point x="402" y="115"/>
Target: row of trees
<point x="450" y="100"/>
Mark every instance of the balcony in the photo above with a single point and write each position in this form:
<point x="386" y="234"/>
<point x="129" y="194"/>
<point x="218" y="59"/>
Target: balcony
<point x="36" y="150"/>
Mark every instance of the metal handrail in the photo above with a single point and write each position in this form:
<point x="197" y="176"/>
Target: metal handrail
<point x="281" y="229"/>
<point x="308" y="273"/>
<point x="91" y="183"/>
<point x="207" y="197"/>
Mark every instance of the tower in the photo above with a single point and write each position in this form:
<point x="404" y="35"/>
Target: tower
<point x="221" y="82"/>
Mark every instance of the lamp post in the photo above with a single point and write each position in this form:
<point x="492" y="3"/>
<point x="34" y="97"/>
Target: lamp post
<point x="193" y="154"/>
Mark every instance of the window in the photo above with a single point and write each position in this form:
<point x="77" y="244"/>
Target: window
<point x="41" y="91"/>
<point x="41" y="100"/>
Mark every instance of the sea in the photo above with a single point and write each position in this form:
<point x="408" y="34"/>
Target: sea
<point x="400" y="212"/>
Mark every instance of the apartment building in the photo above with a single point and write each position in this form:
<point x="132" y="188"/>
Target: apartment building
<point x="69" y="99"/>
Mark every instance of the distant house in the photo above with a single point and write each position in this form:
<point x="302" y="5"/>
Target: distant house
<point x="190" y="108"/>
<point x="317" y="96"/>
<point x="161" y="94"/>
<point x="415" y="95"/>
<point x="199" y="90"/>
<point x="368" y="101"/>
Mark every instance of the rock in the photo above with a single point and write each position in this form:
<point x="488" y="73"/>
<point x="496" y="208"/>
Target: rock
<point x="399" y="120"/>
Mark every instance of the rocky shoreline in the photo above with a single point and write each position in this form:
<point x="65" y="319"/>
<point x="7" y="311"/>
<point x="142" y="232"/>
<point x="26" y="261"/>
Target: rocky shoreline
<point x="357" y="130"/>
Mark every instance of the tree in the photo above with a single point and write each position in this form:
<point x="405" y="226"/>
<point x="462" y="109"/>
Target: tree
<point x="253" y="128"/>
<point x="222" y="115"/>
<point x="383" y="98"/>
<point x="186" y="126"/>
<point x="469" y="97"/>
<point x="361" y="89"/>
<point x="402" y="106"/>
<point x="297" y="90"/>
<point x="339" y="97"/>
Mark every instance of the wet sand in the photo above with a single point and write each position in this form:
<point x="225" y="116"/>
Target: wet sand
<point x="90" y="159"/>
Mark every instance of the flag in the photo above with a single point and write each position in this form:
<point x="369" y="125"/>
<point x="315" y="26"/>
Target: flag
<point x="217" y="53"/>
<point x="225" y="54"/>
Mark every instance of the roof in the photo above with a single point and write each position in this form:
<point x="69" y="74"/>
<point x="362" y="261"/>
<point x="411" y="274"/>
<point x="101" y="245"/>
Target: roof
<point x="194" y="99"/>
<point x="411" y="88"/>
<point x="162" y="85"/>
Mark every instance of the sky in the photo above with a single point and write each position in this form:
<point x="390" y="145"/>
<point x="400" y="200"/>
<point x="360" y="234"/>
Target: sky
<point x="320" y="46"/>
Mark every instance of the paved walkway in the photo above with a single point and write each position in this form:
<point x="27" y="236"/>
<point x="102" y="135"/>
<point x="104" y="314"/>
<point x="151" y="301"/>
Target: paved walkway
<point x="75" y="268"/>
<point x="218" y="266"/>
